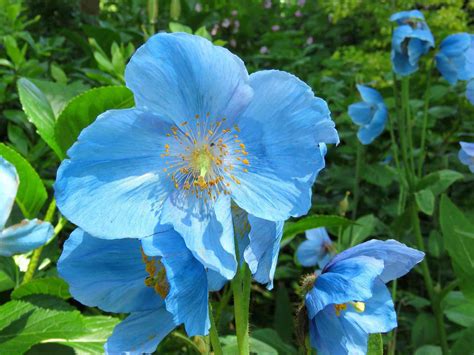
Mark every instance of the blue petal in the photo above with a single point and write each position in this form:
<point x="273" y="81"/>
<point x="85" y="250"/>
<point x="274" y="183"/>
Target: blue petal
<point x="108" y="274"/>
<point x="187" y="297"/>
<point x="9" y="187"/>
<point x="398" y="259"/>
<point x="180" y="75"/>
<point x="115" y="176"/>
<point x="455" y="44"/>
<point x="206" y="229"/>
<point x="400" y="34"/>
<point x="401" y="16"/>
<point x="468" y="148"/>
<point x="369" y="94"/>
<point x="140" y="333"/>
<point x="281" y="129"/>
<point x="24" y="237"/>
<point x="368" y="133"/>
<point x="466" y="154"/>
<point x="446" y="68"/>
<point x="470" y="91"/>
<point x="361" y="113"/>
<point x="215" y="281"/>
<point x="320" y="234"/>
<point x="416" y="48"/>
<point x="347" y="280"/>
<point x="309" y="252"/>
<point x="333" y="335"/>
<point x="262" y="252"/>
<point x="379" y="315"/>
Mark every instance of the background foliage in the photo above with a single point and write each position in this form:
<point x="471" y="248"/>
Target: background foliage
<point x="62" y="63"/>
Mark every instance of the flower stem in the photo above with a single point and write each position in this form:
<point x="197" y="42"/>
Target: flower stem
<point x="359" y="162"/>
<point x="434" y="297"/>
<point x="216" y="345"/>
<point x="408" y="120"/>
<point x="241" y="289"/>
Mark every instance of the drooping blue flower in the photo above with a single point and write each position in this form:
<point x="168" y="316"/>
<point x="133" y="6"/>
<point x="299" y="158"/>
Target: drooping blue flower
<point x="410" y="40"/>
<point x="470" y="91"/>
<point x="349" y="299"/>
<point x="26" y="235"/>
<point x="204" y="134"/>
<point x="317" y="249"/>
<point x="455" y="59"/>
<point x="370" y="114"/>
<point x="466" y="154"/>
<point x="157" y="280"/>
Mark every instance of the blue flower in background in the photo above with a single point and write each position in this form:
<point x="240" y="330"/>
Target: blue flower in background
<point x="157" y="280"/>
<point x="204" y="134"/>
<point x="466" y="154"/>
<point x="26" y="235"/>
<point x="349" y="299"/>
<point x="455" y="59"/>
<point x="411" y="39"/>
<point x="371" y="114"/>
<point x="317" y="249"/>
<point x="470" y="91"/>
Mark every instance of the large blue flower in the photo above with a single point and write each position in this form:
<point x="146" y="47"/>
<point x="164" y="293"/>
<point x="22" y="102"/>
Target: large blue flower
<point x="203" y="134"/>
<point x="470" y="91"/>
<point x="455" y="59"/>
<point x="157" y="280"/>
<point x="26" y="235"/>
<point x="317" y="249"/>
<point x="349" y="299"/>
<point x="370" y="114"/>
<point x="411" y="39"/>
<point x="466" y="154"/>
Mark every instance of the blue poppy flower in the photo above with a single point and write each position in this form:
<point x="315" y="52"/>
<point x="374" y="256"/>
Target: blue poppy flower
<point x="470" y="91"/>
<point x="370" y="114"/>
<point x="466" y="154"/>
<point x="317" y="249"/>
<point x="411" y="39"/>
<point x="157" y="280"/>
<point x="455" y="59"/>
<point x="349" y="299"/>
<point x="204" y="134"/>
<point x="26" y="235"/>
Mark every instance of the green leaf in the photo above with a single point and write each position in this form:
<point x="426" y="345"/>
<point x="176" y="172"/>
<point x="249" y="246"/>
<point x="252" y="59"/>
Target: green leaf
<point x="201" y="31"/>
<point x="31" y="194"/>
<point x="463" y="344"/>
<point x="442" y="111"/>
<point x="58" y="74"/>
<point x="24" y="324"/>
<point x="283" y="312"/>
<point x="292" y="229"/>
<point x="379" y="174"/>
<point x="39" y="112"/>
<point x="425" y="201"/>
<point x="177" y="27"/>
<point x="53" y="286"/>
<point x="11" y="46"/>
<point x="8" y="272"/>
<point x="270" y="337"/>
<point x="429" y="350"/>
<point x="84" y="109"/>
<point x="424" y="330"/>
<point x="362" y="229"/>
<point x="458" y="234"/>
<point x="439" y="181"/>
<point x="458" y="309"/>
<point x="230" y="346"/>
<point x="375" y="345"/>
<point x="97" y="330"/>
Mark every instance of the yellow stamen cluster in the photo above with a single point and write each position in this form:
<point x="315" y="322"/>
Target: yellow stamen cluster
<point x="358" y="306"/>
<point x="202" y="155"/>
<point x="157" y="275"/>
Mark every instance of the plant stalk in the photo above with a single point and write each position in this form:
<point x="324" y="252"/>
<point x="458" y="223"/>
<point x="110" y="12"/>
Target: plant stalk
<point x="241" y="290"/>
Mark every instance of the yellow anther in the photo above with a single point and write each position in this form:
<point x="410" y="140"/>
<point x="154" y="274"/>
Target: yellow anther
<point x="339" y="308"/>
<point x="358" y="306"/>
<point x="245" y="161"/>
<point x="237" y="128"/>
<point x="245" y="170"/>
<point x="184" y="123"/>
<point x="196" y="116"/>
<point x="210" y="132"/>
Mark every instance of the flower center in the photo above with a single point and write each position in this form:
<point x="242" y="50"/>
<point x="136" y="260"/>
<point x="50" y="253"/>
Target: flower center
<point x="157" y="275"/>
<point x="358" y="306"/>
<point x="202" y="156"/>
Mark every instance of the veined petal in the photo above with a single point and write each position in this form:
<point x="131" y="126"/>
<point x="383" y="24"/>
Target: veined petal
<point x="215" y="281"/>
<point x="309" y="252"/>
<point x="140" y="333"/>
<point x="347" y="280"/>
<point x="468" y="148"/>
<point x="24" y="237"/>
<point x="187" y="298"/>
<point x="206" y="229"/>
<point x="281" y="129"/>
<point x="446" y="68"/>
<point x="397" y="258"/>
<point x="455" y="44"/>
<point x="401" y="64"/>
<point x="416" y="48"/>
<point x="115" y="175"/>
<point x="369" y="94"/>
<point x="379" y="315"/>
<point x="470" y="92"/>
<point x="262" y="252"/>
<point x="361" y="113"/>
<point x="179" y="76"/>
<point x="8" y="189"/>
<point x="109" y="274"/>
<point x="368" y="133"/>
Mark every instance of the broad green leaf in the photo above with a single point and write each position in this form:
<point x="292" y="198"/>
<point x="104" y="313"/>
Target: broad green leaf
<point x="53" y="286"/>
<point x="15" y="54"/>
<point x="8" y="272"/>
<point x="425" y="201"/>
<point x="177" y="27"/>
<point x="292" y="229"/>
<point x="458" y="234"/>
<point x="429" y="350"/>
<point x="201" y="31"/>
<point x="283" y="312"/>
<point x="375" y="345"/>
<point x="463" y="344"/>
<point x="230" y="347"/>
<point x="58" y="74"/>
<point x="85" y="108"/>
<point x="439" y="181"/>
<point x="97" y="330"/>
<point x="270" y="337"/>
<point x="31" y="194"/>
<point x="362" y="229"/>
<point x="458" y="309"/>
<point x="379" y="174"/>
<point x="24" y="324"/>
<point x="39" y="112"/>
<point x="424" y="330"/>
<point x="442" y="111"/>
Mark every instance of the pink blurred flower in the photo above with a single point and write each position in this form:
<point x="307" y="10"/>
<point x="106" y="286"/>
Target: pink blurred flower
<point x="226" y="23"/>
<point x="301" y="3"/>
<point x="275" y="28"/>
<point x="310" y="40"/>
<point x="298" y="13"/>
<point x="198" y="7"/>
<point x="263" y="50"/>
<point x="233" y="43"/>
<point x="214" y="30"/>
<point x="267" y="4"/>
<point x="234" y="13"/>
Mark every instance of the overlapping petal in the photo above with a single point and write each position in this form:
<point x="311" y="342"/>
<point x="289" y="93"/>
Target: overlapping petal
<point x="8" y="188"/>
<point x="314" y="250"/>
<point x="455" y="59"/>
<point x="466" y="154"/>
<point x="24" y="237"/>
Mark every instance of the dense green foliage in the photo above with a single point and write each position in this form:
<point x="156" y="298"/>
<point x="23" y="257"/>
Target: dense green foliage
<point x="62" y="63"/>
